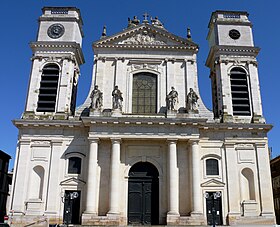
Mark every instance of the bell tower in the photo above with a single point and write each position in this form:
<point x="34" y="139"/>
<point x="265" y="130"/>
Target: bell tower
<point x="233" y="68"/>
<point x="56" y="60"/>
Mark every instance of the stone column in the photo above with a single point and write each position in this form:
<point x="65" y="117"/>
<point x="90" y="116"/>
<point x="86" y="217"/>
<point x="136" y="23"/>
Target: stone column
<point x="196" y="191"/>
<point x="91" y="202"/>
<point x="114" y="176"/>
<point x="173" y="178"/>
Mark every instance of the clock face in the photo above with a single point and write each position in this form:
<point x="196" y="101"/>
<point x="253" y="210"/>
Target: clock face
<point x="55" y="31"/>
<point x="234" y="34"/>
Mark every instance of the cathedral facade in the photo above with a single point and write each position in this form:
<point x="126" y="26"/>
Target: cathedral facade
<point x="142" y="149"/>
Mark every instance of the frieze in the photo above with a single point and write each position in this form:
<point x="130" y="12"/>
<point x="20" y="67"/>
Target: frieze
<point x="244" y="147"/>
<point x="235" y="61"/>
<point x="142" y="39"/>
<point x="144" y="66"/>
<point x="40" y="143"/>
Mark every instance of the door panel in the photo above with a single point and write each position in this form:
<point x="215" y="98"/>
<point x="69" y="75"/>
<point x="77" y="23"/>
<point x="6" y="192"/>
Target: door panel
<point x="135" y="202"/>
<point x="147" y="208"/>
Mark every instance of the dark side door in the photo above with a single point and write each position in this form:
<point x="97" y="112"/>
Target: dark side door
<point x="214" y="209"/>
<point x="72" y="207"/>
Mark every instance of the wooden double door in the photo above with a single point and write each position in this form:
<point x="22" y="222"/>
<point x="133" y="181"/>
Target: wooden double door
<point x="143" y="195"/>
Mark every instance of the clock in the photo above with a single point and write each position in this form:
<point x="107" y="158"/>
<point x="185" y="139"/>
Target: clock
<point x="55" y="31"/>
<point x="234" y="34"/>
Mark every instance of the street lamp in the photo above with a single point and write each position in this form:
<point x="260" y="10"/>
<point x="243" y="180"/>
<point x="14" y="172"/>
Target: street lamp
<point x="213" y="196"/>
<point x="67" y="199"/>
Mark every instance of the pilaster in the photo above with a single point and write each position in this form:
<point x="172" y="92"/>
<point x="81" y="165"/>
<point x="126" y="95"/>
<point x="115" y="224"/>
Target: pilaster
<point x="20" y="181"/>
<point x="54" y="169"/>
<point x="255" y="93"/>
<point x="264" y="178"/>
<point x="232" y="180"/>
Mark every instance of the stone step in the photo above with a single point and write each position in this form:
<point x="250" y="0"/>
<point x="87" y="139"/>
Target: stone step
<point x="253" y="225"/>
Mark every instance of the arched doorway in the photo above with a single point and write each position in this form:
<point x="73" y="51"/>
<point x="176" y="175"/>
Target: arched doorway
<point x="143" y="194"/>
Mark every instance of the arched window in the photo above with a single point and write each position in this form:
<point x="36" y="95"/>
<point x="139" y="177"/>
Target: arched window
<point x="74" y="165"/>
<point x="247" y="184"/>
<point x="239" y="92"/>
<point x="48" y="88"/>
<point x="212" y="167"/>
<point x="144" y="95"/>
<point x="37" y="179"/>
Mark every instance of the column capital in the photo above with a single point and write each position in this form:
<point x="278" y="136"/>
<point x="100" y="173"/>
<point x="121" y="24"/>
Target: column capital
<point x="93" y="139"/>
<point x="116" y="140"/>
<point x="171" y="141"/>
<point x="194" y="141"/>
<point x="56" y="142"/>
<point x="229" y="144"/>
<point x="24" y="141"/>
<point x="260" y="144"/>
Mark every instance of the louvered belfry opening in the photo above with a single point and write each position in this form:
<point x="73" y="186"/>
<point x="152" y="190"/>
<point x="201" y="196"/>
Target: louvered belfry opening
<point x="239" y="92"/>
<point x="48" y="88"/>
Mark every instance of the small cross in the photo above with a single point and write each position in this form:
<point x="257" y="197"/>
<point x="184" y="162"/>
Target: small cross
<point x="145" y="15"/>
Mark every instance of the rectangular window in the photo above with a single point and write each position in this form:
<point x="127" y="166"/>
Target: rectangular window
<point x="74" y="165"/>
<point x="212" y="167"/>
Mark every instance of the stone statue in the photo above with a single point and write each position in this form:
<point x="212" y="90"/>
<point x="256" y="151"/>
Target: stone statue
<point x="96" y="98"/>
<point x="134" y="22"/>
<point x="117" y="98"/>
<point x="172" y="99"/>
<point x="192" y="98"/>
<point x="156" y="22"/>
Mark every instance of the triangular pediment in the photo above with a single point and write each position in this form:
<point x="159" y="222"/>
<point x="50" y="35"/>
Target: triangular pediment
<point x="146" y="36"/>
<point x="213" y="183"/>
<point x="72" y="182"/>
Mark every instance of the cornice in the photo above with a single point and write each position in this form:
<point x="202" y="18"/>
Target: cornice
<point x="151" y="121"/>
<point x="235" y="126"/>
<point x="59" y="46"/>
<point x="22" y="123"/>
<point x="122" y="46"/>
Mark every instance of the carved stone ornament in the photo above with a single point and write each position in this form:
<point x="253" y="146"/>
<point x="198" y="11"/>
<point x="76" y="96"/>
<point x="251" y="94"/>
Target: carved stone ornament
<point x="142" y="39"/>
<point x="143" y="66"/>
<point x="41" y="143"/>
<point x="244" y="147"/>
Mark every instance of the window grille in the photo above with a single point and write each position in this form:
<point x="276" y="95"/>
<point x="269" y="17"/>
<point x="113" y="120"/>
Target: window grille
<point x="212" y="167"/>
<point x="48" y="89"/>
<point x="74" y="165"/>
<point x="239" y="92"/>
<point x="144" y="95"/>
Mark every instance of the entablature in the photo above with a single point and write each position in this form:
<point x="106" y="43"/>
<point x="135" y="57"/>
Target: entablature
<point x="235" y="127"/>
<point x="22" y="123"/>
<point x="226" y="51"/>
<point x="59" y="47"/>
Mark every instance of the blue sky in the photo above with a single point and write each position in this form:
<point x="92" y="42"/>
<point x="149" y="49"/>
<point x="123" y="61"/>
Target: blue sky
<point x="19" y="27"/>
